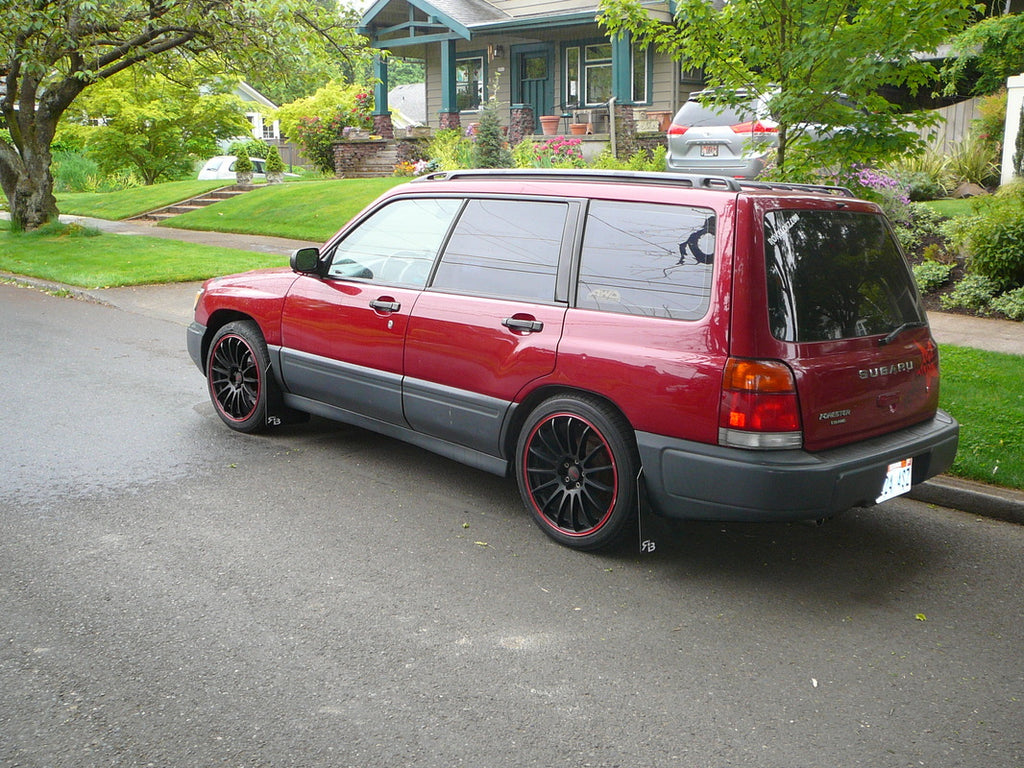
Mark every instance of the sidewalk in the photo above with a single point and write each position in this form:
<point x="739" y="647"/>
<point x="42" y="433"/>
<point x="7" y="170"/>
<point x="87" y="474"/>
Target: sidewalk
<point x="174" y="303"/>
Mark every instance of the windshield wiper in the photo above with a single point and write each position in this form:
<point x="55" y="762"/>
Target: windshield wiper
<point x="905" y="327"/>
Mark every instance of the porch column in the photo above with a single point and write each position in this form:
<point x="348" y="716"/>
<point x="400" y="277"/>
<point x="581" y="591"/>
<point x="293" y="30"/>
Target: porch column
<point x="381" y="112"/>
<point x="449" y="115"/>
<point x="622" y="70"/>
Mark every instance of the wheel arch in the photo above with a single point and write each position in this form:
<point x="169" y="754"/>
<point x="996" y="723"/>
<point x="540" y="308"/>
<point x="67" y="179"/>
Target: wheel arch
<point x="526" y="406"/>
<point x="218" y="320"/>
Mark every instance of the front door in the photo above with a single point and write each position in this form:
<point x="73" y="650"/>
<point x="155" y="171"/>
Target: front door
<point x="533" y="79"/>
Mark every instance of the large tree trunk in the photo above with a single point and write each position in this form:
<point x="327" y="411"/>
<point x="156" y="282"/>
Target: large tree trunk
<point x="28" y="184"/>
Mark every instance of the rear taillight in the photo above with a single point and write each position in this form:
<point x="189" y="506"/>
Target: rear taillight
<point x="677" y="130"/>
<point x="759" y="406"/>
<point x="754" y="126"/>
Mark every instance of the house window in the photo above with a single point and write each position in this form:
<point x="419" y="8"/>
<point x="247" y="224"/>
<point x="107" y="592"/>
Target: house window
<point x="641" y="66"/>
<point x="588" y="74"/>
<point x="469" y="82"/>
<point x="597" y="73"/>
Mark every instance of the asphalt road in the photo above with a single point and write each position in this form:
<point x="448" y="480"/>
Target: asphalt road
<point x="174" y="594"/>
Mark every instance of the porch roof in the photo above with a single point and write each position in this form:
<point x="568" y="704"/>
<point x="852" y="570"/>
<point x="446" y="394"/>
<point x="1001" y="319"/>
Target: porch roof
<point x="396" y="23"/>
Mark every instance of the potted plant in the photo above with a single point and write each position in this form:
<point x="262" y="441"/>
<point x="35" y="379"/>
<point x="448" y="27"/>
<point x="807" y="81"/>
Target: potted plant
<point x="243" y="167"/>
<point x="274" y="166"/>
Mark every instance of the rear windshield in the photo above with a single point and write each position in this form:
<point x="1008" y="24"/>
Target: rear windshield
<point x="695" y="114"/>
<point x="835" y="275"/>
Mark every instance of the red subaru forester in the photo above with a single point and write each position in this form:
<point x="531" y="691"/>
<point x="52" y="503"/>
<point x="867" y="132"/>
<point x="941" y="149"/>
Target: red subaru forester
<point x="730" y="350"/>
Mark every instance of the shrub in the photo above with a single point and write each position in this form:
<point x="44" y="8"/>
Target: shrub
<point x="926" y="174"/>
<point x="74" y="172"/>
<point x="243" y="164"/>
<point x="489" y="147"/>
<point x="993" y="237"/>
<point x="449" y="150"/>
<point x="251" y="147"/>
<point x="274" y="162"/>
<point x="888" y="191"/>
<point x="931" y="275"/>
<point x="973" y="292"/>
<point x="923" y="229"/>
<point x="975" y="160"/>
<point x="1010" y="304"/>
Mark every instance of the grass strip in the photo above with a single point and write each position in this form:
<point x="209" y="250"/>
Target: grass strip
<point x="983" y="392"/>
<point x="304" y="210"/>
<point x="77" y="256"/>
<point x="132" y="202"/>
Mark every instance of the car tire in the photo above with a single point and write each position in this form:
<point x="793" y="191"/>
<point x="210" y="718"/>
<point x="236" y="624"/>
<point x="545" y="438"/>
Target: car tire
<point x="238" y="376"/>
<point x="577" y="466"/>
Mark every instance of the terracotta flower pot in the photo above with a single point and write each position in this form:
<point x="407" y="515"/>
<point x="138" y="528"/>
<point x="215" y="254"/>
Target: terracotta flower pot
<point x="549" y="124"/>
<point x="577" y="129"/>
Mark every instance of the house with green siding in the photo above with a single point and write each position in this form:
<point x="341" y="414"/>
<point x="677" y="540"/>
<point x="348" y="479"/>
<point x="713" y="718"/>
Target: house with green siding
<point x="539" y="57"/>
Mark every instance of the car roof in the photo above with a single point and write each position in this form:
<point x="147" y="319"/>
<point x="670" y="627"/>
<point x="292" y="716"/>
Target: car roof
<point x="590" y="176"/>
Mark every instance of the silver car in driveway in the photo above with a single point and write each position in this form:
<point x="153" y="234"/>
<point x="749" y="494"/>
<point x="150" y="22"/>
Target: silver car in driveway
<point x="708" y="137"/>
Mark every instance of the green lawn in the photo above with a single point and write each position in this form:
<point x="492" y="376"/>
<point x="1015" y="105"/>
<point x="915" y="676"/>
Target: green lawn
<point x="952" y="208"/>
<point x="132" y="202"/>
<point x="983" y="391"/>
<point x="90" y="260"/>
<point x="307" y="210"/>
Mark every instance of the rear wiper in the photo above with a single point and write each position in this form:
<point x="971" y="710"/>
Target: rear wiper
<point x="905" y="327"/>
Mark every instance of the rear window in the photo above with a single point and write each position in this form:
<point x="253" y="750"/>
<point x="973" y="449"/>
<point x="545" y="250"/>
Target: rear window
<point x="695" y="114"/>
<point x="835" y="275"/>
<point x="647" y="259"/>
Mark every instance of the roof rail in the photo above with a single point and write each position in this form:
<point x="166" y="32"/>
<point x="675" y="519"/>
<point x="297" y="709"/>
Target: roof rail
<point x="786" y="185"/>
<point x="588" y="174"/>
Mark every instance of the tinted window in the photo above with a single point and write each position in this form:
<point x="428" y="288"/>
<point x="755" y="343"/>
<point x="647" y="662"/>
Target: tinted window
<point x="696" y="113"/>
<point x="835" y="275"/>
<point x="505" y="248"/>
<point x="647" y="259"/>
<point x="397" y="244"/>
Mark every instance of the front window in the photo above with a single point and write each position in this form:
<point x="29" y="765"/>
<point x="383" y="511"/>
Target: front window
<point x="835" y="275"/>
<point x="469" y="82"/>
<point x="397" y="244"/>
<point x="507" y="248"/>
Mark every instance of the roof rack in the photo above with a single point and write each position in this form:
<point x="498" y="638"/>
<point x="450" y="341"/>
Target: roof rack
<point x="588" y="174"/>
<point x="824" y="189"/>
<point x="693" y="181"/>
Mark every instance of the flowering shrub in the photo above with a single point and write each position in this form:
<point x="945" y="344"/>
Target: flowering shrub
<point x="404" y="168"/>
<point x="556" y="152"/>
<point x="888" y="192"/>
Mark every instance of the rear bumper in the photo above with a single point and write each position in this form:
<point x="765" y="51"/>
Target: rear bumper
<point x="707" y="482"/>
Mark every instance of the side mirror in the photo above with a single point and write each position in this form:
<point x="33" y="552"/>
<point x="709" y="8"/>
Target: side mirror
<point x="306" y="260"/>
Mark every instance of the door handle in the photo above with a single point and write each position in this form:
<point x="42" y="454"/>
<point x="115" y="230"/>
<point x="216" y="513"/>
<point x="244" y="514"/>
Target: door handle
<point x="385" y="305"/>
<point x="523" y="325"/>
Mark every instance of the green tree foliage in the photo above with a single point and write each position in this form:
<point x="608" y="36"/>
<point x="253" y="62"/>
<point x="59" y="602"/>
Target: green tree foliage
<point x="490" y="150"/>
<point x="318" y="121"/>
<point x="991" y="50"/>
<point x="156" y="126"/>
<point x="50" y="52"/>
<point x="803" y="53"/>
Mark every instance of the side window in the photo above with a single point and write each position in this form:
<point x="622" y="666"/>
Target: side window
<point x="647" y="259"/>
<point x="397" y="244"/>
<point x="506" y="248"/>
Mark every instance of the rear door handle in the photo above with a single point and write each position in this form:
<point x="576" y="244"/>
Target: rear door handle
<point x="523" y="325"/>
<point x="385" y="305"/>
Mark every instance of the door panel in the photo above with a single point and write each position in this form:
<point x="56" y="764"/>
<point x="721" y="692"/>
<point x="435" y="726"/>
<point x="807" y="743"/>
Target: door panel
<point x="342" y="344"/>
<point x="467" y="358"/>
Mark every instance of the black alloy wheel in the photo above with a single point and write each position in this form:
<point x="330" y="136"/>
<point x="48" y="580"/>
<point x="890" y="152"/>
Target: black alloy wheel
<point x="576" y="466"/>
<point x="237" y="372"/>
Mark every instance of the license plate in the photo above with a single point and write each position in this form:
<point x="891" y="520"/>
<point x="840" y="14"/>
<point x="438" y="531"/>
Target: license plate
<point x="897" y="480"/>
<point x="709" y="150"/>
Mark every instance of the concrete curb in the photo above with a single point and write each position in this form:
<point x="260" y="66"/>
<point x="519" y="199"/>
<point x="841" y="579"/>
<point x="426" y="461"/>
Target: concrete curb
<point x="975" y="498"/>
